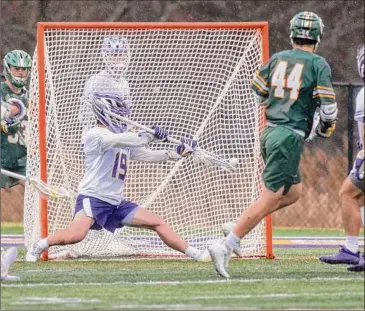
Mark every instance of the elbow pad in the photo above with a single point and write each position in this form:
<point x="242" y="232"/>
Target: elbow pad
<point x="328" y="113"/>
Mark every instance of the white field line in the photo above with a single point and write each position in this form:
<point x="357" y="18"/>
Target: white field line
<point x="53" y="300"/>
<point x="170" y="283"/>
<point x="182" y="307"/>
<point x="282" y="295"/>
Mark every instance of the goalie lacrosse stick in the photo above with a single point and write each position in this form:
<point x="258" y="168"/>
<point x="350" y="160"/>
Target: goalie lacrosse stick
<point x="199" y="155"/>
<point x="47" y="191"/>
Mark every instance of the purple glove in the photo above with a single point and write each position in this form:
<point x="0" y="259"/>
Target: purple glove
<point x="186" y="147"/>
<point x="160" y="133"/>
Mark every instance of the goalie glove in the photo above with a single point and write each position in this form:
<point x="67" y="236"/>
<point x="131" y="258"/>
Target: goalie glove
<point x="160" y="133"/>
<point x="186" y="147"/>
<point x="325" y="129"/>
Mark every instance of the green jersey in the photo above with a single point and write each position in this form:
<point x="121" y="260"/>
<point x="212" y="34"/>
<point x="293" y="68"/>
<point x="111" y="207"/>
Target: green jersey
<point x="295" y="83"/>
<point x="12" y="149"/>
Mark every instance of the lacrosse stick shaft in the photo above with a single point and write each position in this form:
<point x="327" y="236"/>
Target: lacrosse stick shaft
<point x="14" y="175"/>
<point x="140" y="126"/>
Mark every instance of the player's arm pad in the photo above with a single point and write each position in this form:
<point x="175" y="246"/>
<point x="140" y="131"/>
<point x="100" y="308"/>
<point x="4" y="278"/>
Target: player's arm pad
<point x="131" y="140"/>
<point x="328" y="115"/>
<point x="144" y="154"/>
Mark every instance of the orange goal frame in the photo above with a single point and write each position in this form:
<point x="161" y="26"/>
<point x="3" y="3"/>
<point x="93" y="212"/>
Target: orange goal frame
<point x="42" y="26"/>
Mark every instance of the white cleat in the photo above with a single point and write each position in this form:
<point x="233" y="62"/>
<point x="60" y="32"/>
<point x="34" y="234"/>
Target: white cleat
<point x="220" y="256"/>
<point x="7" y="259"/>
<point x="227" y="228"/>
<point x="33" y="253"/>
<point x="204" y="256"/>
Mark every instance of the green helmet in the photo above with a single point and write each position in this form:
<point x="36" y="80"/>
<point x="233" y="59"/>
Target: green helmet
<point x="306" y="25"/>
<point x="17" y="58"/>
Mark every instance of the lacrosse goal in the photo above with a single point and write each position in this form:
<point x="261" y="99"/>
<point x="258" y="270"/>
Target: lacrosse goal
<point x="178" y="73"/>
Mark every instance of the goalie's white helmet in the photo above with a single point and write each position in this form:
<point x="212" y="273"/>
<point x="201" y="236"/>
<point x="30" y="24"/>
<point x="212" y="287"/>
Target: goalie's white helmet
<point x="112" y="102"/>
<point x="116" y="55"/>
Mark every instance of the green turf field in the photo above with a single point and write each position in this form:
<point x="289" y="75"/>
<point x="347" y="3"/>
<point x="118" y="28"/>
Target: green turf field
<point x="294" y="280"/>
<point x="17" y="228"/>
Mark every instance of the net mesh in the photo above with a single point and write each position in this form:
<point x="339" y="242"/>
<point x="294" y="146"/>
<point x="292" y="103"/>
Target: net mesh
<point x="176" y="77"/>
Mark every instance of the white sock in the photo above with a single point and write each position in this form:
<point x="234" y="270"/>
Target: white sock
<point x="193" y="252"/>
<point x="43" y="244"/>
<point x="352" y="243"/>
<point x="362" y="212"/>
<point x="232" y="240"/>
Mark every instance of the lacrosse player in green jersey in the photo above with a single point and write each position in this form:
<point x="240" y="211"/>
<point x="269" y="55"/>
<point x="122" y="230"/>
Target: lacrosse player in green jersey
<point x="291" y="86"/>
<point x="17" y="65"/>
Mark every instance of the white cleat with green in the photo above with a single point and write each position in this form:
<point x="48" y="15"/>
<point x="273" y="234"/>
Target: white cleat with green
<point x="227" y="228"/>
<point x="33" y="253"/>
<point x="220" y="256"/>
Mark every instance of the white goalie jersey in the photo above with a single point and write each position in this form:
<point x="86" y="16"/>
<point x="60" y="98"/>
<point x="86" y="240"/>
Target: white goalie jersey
<point x="101" y="82"/>
<point x="106" y="161"/>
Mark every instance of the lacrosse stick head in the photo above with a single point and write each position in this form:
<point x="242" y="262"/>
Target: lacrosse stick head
<point x="112" y="102"/>
<point x="212" y="160"/>
<point x="116" y="55"/>
<point x="49" y="191"/>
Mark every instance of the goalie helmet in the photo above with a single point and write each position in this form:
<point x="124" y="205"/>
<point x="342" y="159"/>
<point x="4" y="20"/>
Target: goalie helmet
<point x="17" y="58"/>
<point x="112" y="102"/>
<point x="306" y="25"/>
<point x="116" y="55"/>
<point x="360" y="61"/>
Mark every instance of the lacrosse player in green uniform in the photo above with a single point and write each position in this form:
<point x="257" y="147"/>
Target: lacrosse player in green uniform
<point x="291" y="86"/>
<point x="17" y="65"/>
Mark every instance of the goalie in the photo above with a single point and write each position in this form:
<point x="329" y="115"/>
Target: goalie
<point x="100" y="203"/>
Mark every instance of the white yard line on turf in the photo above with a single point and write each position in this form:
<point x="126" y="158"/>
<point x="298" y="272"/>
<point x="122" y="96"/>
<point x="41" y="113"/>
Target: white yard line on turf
<point x="153" y="283"/>
<point x="282" y="295"/>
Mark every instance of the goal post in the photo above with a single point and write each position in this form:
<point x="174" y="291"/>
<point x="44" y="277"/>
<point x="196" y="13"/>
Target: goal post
<point x="186" y="77"/>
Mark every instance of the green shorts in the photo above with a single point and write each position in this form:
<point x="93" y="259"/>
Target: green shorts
<point x="281" y="149"/>
<point x="14" y="159"/>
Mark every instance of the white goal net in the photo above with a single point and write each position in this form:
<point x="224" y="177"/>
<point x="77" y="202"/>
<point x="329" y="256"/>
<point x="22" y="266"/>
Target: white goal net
<point x="176" y="77"/>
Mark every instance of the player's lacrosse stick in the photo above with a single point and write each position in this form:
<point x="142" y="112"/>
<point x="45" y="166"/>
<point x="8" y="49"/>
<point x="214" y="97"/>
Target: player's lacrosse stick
<point x="199" y="155"/>
<point x="47" y="191"/>
<point x="316" y="120"/>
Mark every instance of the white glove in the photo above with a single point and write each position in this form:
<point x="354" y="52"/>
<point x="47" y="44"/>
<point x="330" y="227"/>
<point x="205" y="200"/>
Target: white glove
<point x="5" y="111"/>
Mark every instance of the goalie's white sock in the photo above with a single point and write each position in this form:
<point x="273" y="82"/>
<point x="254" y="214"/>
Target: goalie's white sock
<point x="193" y="252"/>
<point x="362" y="212"/>
<point x="352" y="243"/>
<point x="43" y="244"/>
<point x="232" y="240"/>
